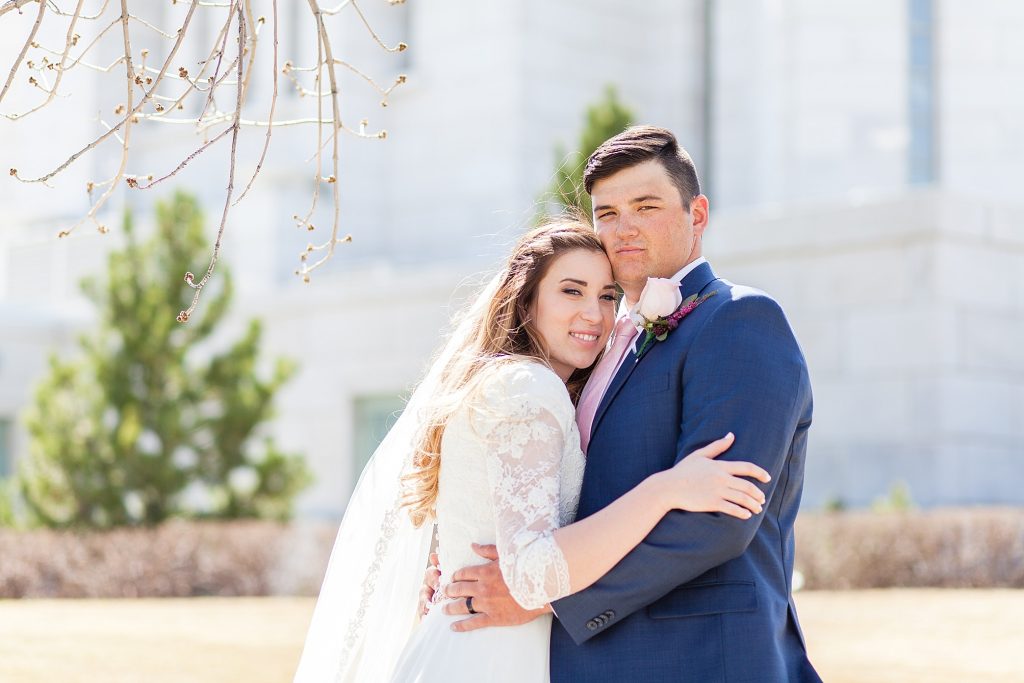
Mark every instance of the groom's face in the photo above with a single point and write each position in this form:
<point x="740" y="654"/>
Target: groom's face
<point x="644" y="227"/>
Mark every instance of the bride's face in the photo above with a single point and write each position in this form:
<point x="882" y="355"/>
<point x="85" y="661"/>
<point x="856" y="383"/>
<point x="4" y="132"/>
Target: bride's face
<point x="574" y="309"/>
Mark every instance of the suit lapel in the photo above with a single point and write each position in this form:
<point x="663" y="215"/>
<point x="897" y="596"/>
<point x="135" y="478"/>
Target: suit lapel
<point x="694" y="283"/>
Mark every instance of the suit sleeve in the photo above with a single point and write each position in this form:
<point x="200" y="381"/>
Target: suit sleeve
<point x="744" y="373"/>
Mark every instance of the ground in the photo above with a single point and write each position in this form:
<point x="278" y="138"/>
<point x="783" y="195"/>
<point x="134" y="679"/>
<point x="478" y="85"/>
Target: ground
<point x="904" y="636"/>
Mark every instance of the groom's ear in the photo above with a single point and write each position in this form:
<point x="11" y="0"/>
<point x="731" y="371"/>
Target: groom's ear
<point x="699" y="212"/>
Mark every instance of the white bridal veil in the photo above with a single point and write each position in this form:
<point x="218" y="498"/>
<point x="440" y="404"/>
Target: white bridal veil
<point x="367" y="607"/>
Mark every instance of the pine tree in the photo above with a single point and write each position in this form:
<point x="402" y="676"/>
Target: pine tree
<point x="604" y="119"/>
<point x="151" y="422"/>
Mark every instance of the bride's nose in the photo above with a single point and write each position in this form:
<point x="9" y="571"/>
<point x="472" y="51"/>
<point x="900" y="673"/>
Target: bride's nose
<point x="591" y="311"/>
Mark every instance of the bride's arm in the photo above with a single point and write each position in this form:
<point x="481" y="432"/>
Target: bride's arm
<point x="541" y="562"/>
<point x="594" y="545"/>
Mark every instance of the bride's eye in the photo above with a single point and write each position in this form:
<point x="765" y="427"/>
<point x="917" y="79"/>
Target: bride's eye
<point x="570" y="290"/>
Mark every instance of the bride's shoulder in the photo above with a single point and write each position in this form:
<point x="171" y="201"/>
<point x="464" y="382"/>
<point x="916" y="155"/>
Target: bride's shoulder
<point x="523" y="379"/>
<point x="520" y="372"/>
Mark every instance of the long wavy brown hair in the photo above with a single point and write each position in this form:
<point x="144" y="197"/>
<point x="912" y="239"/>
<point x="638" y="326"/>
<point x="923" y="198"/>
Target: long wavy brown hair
<point x="499" y="331"/>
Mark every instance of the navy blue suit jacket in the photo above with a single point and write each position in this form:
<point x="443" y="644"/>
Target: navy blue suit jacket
<point x="705" y="597"/>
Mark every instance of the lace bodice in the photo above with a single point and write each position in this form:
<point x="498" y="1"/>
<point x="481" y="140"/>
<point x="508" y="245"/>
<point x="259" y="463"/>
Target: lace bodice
<point x="511" y="471"/>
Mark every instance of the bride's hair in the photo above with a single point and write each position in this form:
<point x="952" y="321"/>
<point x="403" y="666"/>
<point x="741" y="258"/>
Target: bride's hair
<point x="498" y="329"/>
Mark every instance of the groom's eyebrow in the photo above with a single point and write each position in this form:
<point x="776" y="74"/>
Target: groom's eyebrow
<point x="646" y="198"/>
<point x="638" y="200"/>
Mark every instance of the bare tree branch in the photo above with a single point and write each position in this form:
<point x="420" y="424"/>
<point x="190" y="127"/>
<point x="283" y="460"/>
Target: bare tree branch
<point x="183" y="316"/>
<point x="132" y="111"/>
<point x="61" y="68"/>
<point x="270" y="117"/>
<point x="328" y="57"/>
<point x="28" y="42"/>
<point x="16" y="5"/>
<point x="130" y="84"/>
<point x="165" y="92"/>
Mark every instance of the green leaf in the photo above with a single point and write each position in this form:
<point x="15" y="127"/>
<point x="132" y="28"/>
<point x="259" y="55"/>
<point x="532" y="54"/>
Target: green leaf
<point x="108" y="428"/>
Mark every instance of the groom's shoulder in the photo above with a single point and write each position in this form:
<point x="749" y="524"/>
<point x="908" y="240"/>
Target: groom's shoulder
<point x="742" y="304"/>
<point x="730" y="294"/>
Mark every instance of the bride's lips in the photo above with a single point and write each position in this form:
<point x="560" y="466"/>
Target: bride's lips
<point x="586" y="338"/>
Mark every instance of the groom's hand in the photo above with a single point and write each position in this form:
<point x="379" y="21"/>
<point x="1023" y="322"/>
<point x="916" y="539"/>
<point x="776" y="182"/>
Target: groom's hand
<point x="491" y="599"/>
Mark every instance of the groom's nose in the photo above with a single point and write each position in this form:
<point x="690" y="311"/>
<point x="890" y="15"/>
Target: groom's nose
<point x="626" y="226"/>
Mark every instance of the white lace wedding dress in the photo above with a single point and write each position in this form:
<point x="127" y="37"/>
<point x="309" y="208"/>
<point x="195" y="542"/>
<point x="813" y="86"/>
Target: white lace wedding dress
<point x="511" y="471"/>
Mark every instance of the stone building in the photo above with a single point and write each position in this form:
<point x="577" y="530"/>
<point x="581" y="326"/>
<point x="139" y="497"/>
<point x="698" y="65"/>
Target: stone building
<point x="863" y="162"/>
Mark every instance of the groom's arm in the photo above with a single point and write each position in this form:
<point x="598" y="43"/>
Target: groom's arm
<point x="744" y="373"/>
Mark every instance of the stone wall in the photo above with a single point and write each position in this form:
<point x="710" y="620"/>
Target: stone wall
<point x="910" y="310"/>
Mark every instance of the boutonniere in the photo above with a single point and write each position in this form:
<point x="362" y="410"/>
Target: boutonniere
<point x="661" y="308"/>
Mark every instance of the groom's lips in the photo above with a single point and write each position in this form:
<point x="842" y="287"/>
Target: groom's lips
<point x="628" y="250"/>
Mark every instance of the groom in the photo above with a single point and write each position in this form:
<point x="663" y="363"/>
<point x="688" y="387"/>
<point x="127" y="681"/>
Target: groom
<point x="705" y="597"/>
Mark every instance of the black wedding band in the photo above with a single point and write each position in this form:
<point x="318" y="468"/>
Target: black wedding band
<point x="469" y="605"/>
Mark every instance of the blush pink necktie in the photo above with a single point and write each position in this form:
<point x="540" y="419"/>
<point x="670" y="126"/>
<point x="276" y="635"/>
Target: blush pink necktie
<point x="597" y="385"/>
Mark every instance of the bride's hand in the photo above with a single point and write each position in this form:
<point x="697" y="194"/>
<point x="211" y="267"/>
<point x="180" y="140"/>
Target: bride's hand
<point x="699" y="483"/>
<point x="431" y="579"/>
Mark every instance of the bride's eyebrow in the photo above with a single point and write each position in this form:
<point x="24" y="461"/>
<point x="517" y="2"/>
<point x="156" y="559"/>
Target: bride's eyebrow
<point x="581" y="283"/>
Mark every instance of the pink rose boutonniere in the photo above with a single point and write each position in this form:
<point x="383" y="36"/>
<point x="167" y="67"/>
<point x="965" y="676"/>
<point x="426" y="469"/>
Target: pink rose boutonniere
<point x="660" y="309"/>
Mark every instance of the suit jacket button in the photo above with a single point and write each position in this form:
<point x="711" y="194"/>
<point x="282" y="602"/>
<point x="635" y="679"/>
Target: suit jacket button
<point x="592" y="625"/>
<point x="610" y="614"/>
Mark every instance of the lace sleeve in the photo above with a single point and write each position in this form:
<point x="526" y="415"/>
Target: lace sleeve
<point x="523" y="420"/>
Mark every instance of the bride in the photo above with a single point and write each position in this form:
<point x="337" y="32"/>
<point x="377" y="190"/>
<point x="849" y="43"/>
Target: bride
<point x="489" y="452"/>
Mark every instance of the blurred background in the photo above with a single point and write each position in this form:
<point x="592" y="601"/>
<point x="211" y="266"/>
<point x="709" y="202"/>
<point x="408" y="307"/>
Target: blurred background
<point x="864" y="164"/>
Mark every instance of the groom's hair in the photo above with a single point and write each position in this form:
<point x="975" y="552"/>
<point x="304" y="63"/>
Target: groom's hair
<point x="636" y="145"/>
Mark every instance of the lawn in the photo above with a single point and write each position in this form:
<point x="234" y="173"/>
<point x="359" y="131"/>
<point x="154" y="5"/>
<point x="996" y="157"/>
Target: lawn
<point x="903" y="636"/>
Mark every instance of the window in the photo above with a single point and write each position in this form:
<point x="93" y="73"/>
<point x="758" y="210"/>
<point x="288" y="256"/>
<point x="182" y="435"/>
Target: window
<point x="373" y="417"/>
<point x="6" y="453"/>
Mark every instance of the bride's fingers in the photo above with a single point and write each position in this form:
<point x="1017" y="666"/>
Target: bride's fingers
<point x="717" y="447"/>
<point x="734" y="510"/>
<point x="742" y="499"/>
<point x="747" y="488"/>
<point x="742" y="468"/>
<point x="426" y="595"/>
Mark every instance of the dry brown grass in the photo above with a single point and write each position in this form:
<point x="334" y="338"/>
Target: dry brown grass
<point x="942" y="548"/>
<point x="915" y="635"/>
<point x="875" y="636"/>
<point x="951" y="548"/>
<point x="175" y="560"/>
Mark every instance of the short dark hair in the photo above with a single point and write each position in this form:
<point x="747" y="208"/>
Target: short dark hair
<point x="638" y="144"/>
